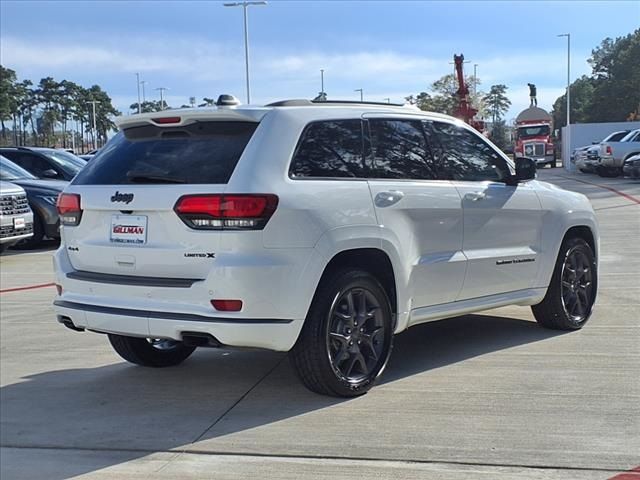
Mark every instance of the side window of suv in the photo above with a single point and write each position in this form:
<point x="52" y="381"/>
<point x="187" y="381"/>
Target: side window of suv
<point x="32" y="163"/>
<point x="466" y="156"/>
<point x="400" y="150"/>
<point x="330" y="149"/>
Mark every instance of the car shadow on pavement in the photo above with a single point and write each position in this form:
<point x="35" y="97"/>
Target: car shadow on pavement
<point x="213" y="394"/>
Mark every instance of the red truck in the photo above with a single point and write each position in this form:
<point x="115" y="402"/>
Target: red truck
<point x="533" y="137"/>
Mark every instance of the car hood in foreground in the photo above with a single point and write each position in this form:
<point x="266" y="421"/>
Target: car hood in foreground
<point x="41" y="186"/>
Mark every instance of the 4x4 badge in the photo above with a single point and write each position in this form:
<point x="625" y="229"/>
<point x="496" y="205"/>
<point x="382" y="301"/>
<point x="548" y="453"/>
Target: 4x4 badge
<point x="122" y="197"/>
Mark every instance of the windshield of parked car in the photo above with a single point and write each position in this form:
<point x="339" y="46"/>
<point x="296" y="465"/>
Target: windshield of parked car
<point x="616" y="136"/>
<point x="630" y="136"/>
<point x="10" y="171"/>
<point x="66" y="160"/>
<point x="534" y="131"/>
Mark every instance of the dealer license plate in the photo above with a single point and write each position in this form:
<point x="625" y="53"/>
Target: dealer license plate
<point x="129" y="229"/>
<point x="18" y="223"/>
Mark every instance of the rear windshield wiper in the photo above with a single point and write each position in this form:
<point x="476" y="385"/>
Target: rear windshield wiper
<point x="140" y="177"/>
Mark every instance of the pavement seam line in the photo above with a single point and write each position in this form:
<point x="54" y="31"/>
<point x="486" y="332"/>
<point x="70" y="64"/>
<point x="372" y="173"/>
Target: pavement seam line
<point x="224" y="414"/>
<point x="323" y="457"/>
<point x="606" y="187"/>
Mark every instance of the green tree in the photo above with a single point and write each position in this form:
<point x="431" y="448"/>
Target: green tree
<point x="443" y="97"/>
<point x="612" y="91"/>
<point x="497" y="102"/>
<point x="7" y="86"/>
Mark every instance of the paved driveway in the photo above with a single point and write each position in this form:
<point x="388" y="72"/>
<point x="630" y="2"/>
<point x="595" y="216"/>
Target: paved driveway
<point x="489" y="396"/>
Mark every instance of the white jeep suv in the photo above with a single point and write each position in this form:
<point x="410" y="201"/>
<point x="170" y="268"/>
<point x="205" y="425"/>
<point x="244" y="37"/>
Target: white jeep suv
<point x="317" y="228"/>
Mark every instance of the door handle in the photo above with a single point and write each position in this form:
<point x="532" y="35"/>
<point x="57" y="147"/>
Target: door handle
<point x="475" y="196"/>
<point x="386" y="199"/>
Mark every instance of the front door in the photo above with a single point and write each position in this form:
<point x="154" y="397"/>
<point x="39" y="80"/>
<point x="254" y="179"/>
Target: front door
<point x="502" y="222"/>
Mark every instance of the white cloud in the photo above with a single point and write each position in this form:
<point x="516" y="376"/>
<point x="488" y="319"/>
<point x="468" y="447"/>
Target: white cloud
<point x="199" y="67"/>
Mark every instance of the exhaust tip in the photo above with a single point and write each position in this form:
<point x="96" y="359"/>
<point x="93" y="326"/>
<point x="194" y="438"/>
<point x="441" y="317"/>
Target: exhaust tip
<point x="67" y="322"/>
<point x="198" y="339"/>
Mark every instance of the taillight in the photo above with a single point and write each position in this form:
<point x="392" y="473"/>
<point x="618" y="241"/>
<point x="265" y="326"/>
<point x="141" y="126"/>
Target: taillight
<point x="226" y="212"/>
<point x="68" y="206"/>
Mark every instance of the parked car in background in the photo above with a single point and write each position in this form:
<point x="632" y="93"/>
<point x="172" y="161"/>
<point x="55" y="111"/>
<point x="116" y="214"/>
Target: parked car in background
<point x="613" y="154"/>
<point x="586" y="157"/>
<point x="631" y="167"/>
<point x="16" y="218"/>
<point x="41" y="195"/>
<point x="41" y="162"/>
<point x="89" y="155"/>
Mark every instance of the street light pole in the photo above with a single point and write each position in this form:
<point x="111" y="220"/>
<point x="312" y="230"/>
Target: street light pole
<point x="162" y="89"/>
<point x="322" y="80"/>
<point x="244" y="6"/>
<point x="361" y="93"/>
<point x="475" y="79"/>
<point x="138" y="84"/>
<point x="568" y="139"/>
<point x="144" y="99"/>
<point x="95" y="125"/>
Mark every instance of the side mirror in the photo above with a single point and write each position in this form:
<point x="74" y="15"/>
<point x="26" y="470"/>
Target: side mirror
<point x="525" y="169"/>
<point x="50" y="173"/>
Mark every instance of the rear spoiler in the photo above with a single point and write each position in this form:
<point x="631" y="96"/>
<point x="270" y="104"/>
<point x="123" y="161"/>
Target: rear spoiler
<point x="180" y="118"/>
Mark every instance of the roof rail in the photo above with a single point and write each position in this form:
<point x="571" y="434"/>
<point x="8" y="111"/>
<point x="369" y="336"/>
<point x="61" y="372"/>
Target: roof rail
<point x="303" y="102"/>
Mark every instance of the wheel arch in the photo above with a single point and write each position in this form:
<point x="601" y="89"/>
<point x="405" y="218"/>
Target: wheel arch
<point x="372" y="260"/>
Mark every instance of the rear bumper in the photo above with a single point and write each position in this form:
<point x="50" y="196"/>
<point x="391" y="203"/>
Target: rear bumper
<point x="272" y="334"/>
<point x="271" y="317"/>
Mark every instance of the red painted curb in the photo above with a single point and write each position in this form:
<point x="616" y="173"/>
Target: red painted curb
<point x="30" y="287"/>
<point x="633" y="474"/>
<point x="617" y="192"/>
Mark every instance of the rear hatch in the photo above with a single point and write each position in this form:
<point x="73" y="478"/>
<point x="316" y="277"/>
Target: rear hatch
<point x="127" y="194"/>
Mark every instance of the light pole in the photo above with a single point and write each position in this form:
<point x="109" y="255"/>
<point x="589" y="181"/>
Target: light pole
<point x="322" y="80"/>
<point x="361" y="93"/>
<point x="244" y="6"/>
<point x="144" y="99"/>
<point x="162" y="89"/>
<point x="568" y="139"/>
<point x="138" y="83"/>
<point x="475" y="79"/>
<point x="388" y="100"/>
<point x="95" y="125"/>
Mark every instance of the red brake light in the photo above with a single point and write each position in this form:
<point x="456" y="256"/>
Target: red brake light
<point x="226" y="212"/>
<point x="166" y="120"/>
<point x="227" y="305"/>
<point x="68" y="206"/>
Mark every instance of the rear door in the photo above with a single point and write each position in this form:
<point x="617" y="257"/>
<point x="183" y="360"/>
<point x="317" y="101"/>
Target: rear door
<point x="502" y="223"/>
<point x="420" y="210"/>
<point x="128" y="194"/>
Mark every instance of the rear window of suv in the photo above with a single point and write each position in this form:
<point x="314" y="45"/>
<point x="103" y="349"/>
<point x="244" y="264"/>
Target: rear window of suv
<point x="200" y="153"/>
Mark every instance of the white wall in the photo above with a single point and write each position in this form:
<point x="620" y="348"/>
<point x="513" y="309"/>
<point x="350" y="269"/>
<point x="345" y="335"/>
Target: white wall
<point x="586" y="133"/>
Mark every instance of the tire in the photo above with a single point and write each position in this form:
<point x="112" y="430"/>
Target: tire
<point x="334" y="355"/>
<point x="570" y="297"/>
<point x="608" y="172"/>
<point x="148" y="352"/>
<point x="38" y="234"/>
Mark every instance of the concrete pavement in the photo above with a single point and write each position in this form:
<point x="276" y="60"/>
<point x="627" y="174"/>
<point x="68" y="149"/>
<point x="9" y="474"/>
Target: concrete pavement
<point x="480" y="396"/>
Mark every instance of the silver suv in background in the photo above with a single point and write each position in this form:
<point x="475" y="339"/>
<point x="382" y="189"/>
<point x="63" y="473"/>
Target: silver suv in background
<point x="16" y="218"/>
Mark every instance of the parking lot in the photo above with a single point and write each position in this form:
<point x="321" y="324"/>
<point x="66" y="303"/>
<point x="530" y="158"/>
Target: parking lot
<point x="490" y="395"/>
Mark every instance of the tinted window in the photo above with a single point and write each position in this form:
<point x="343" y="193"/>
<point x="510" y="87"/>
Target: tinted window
<point x="466" y="156"/>
<point x="330" y="149"/>
<point x="32" y="163"/>
<point x="203" y="152"/>
<point x="400" y="150"/>
<point x="10" y="171"/>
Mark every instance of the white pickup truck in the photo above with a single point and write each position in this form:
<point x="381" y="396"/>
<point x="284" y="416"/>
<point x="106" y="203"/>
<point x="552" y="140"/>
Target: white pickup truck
<point x="613" y="154"/>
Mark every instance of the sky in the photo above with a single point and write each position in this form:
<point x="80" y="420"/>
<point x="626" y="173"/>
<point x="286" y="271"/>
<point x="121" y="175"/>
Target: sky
<point x="389" y="49"/>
